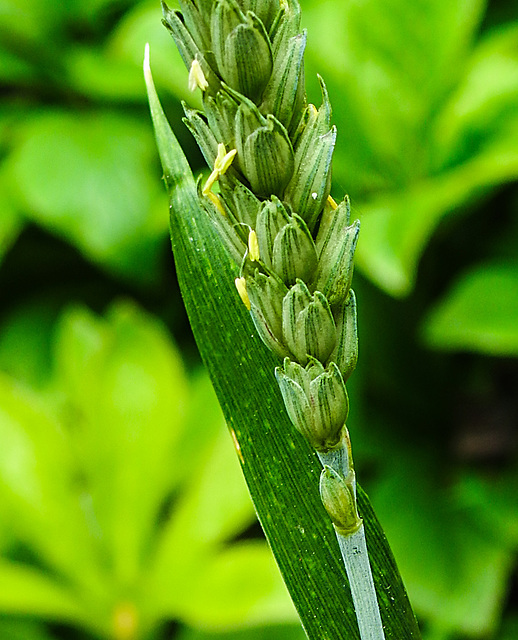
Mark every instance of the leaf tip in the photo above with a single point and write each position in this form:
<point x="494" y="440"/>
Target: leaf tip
<point x="147" y="67"/>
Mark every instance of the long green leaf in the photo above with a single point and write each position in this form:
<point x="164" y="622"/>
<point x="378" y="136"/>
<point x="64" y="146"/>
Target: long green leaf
<point x="281" y="470"/>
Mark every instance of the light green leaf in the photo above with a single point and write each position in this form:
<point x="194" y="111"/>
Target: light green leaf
<point x="241" y="586"/>
<point x="38" y="486"/>
<point x="477" y="130"/>
<point x="126" y="397"/>
<point x="493" y="501"/>
<point x="203" y="422"/>
<point x="214" y="507"/>
<point x="99" y="75"/>
<point x="30" y="19"/>
<point x="87" y="177"/>
<point x="397" y="227"/>
<point x="280" y="469"/>
<point x="480" y="313"/>
<point x="119" y="388"/>
<point x="483" y="110"/>
<point x="115" y="70"/>
<point x="388" y="64"/>
<point x="430" y="119"/>
<point x="26" y="590"/>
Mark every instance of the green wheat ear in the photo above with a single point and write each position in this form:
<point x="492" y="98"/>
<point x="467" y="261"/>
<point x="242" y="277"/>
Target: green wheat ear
<point x="270" y="154"/>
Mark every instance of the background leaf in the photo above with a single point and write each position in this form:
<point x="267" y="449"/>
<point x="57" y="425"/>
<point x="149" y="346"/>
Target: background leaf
<point x="480" y="313"/>
<point x="87" y="177"/>
<point x="38" y="489"/>
<point x="428" y="117"/>
<point x="284" y="632"/>
<point x="28" y="591"/>
<point x="458" y="567"/>
<point x="124" y="373"/>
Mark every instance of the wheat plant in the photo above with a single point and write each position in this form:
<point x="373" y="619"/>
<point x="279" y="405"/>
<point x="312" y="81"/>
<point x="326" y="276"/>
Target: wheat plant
<point x="268" y="201"/>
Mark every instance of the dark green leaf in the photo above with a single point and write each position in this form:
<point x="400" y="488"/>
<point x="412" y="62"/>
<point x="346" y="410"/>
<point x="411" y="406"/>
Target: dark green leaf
<point x="509" y="629"/>
<point x="280" y="469"/>
<point x="18" y="629"/>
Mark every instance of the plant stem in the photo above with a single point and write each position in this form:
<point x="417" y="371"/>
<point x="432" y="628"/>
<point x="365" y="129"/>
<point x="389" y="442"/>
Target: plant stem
<point x="353" y="548"/>
<point x="357" y="566"/>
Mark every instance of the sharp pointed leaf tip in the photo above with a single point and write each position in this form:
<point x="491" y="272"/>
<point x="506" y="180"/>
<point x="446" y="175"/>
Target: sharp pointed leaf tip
<point x="147" y="67"/>
<point x="148" y="77"/>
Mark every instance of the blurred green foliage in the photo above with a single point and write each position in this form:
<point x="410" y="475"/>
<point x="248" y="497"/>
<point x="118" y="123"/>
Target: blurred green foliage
<point x="121" y="497"/>
<point x="121" y="502"/>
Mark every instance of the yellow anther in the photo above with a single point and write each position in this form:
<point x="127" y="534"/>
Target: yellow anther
<point x="221" y="164"/>
<point x="223" y="159"/>
<point x="221" y="154"/>
<point x="197" y="77"/>
<point x="216" y="202"/>
<point x="331" y="203"/>
<point x="253" y="246"/>
<point x="241" y="289"/>
<point x="210" y="181"/>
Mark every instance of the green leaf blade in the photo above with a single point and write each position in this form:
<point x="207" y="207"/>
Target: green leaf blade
<point x="279" y="466"/>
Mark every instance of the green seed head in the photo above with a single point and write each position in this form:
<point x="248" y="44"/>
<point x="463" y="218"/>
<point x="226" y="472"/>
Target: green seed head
<point x="337" y="244"/>
<point x="287" y="246"/>
<point x="284" y="95"/>
<point x="264" y="151"/>
<point x="338" y="498"/>
<point x="310" y="185"/>
<point x="266" y="294"/>
<point x="242" y="49"/>
<point x="316" y="401"/>
<point x="265" y="10"/>
<point x="271" y="219"/>
<point x="270" y="153"/>
<point x="294" y="253"/>
<point x="308" y="325"/>
<point x="345" y="353"/>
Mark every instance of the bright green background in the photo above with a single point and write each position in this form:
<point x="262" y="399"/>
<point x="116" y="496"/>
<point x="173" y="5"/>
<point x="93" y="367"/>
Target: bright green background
<point x="122" y="505"/>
